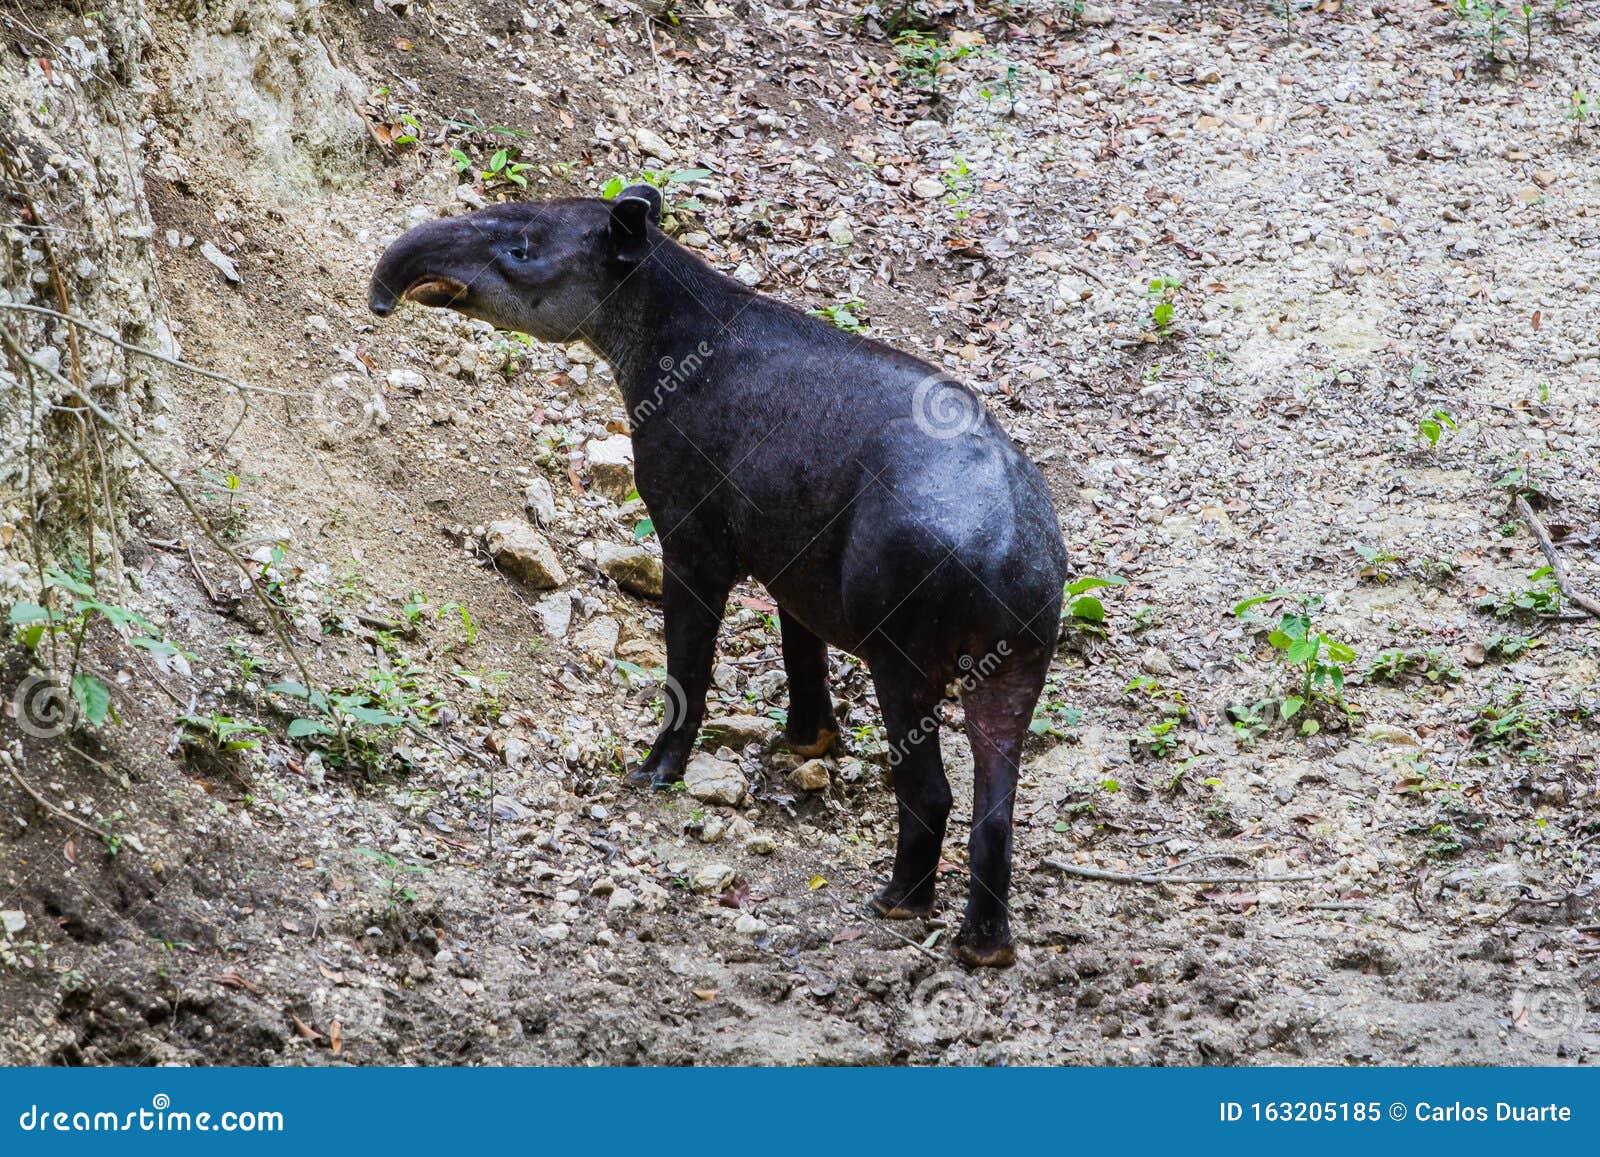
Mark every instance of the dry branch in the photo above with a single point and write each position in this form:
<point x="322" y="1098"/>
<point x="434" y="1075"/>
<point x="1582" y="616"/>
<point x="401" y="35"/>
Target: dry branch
<point x="1147" y="878"/>
<point x="1574" y="596"/>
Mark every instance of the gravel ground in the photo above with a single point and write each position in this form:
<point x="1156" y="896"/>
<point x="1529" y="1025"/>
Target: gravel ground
<point x="1357" y="224"/>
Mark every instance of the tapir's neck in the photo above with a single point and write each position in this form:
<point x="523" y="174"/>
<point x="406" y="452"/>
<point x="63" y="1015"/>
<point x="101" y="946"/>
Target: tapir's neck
<point x="662" y="323"/>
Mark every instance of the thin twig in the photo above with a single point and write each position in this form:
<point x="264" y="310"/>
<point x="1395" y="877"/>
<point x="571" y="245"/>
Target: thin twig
<point x="1576" y="597"/>
<point x="1133" y="878"/>
<point x="11" y="766"/>
<point x="156" y="355"/>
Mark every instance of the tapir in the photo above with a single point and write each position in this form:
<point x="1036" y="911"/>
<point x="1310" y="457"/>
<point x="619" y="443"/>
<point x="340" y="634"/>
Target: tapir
<point x="874" y="496"/>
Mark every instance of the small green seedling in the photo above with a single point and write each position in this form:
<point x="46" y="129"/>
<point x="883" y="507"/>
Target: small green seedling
<point x="1578" y="112"/>
<point x="1377" y="563"/>
<point x="847" y="315"/>
<point x="220" y="732"/>
<point x="924" y="60"/>
<point x="1431" y="428"/>
<point x="1162" y="293"/>
<point x="1316" y="658"/>
<point x="1083" y="607"/>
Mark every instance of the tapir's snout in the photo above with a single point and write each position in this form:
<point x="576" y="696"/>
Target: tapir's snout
<point x="425" y="266"/>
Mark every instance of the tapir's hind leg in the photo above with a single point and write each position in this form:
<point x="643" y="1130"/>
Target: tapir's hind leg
<point x="811" y="729"/>
<point x="998" y="709"/>
<point x="911" y="720"/>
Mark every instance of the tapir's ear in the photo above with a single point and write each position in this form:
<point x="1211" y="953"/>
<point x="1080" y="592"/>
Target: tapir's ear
<point x="645" y="193"/>
<point x="629" y="215"/>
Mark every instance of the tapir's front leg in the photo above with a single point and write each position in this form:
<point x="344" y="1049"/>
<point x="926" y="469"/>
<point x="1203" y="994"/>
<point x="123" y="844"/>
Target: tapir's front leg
<point x="694" y="596"/>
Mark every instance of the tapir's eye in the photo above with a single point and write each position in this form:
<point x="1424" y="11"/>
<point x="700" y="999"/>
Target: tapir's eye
<point x="518" y="253"/>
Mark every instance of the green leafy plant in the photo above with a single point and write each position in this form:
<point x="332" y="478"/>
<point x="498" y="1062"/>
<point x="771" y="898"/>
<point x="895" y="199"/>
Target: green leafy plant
<point x="668" y="181"/>
<point x="1083" y="607"/>
<point x="352" y="724"/>
<point x="1540" y="598"/>
<point x="1579" y="112"/>
<point x="1433" y="426"/>
<point x="1487" y="22"/>
<point x="392" y="875"/>
<point x="220" y="733"/>
<point x="958" y="187"/>
<point x="1508" y="646"/>
<point x="33" y="625"/>
<point x="458" y="613"/>
<point x="1162" y="293"/>
<point x="1316" y="658"/>
<point x="1052" y="717"/>
<point x="1249" y="720"/>
<point x="646" y="526"/>
<point x="1394" y="665"/>
<point x="1006" y="87"/>
<point x="1509" y="720"/>
<point x="924" y="60"/>
<point x="1159" y="738"/>
<point x="847" y="315"/>
<point x="1377" y="563"/>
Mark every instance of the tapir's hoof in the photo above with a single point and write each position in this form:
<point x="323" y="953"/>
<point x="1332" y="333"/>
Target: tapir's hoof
<point x="816" y="747"/>
<point x="659" y="778"/>
<point x="985" y="945"/>
<point x="892" y="906"/>
<point x="1002" y="957"/>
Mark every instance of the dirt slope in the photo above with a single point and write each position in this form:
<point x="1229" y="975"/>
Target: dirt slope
<point x="1361" y="223"/>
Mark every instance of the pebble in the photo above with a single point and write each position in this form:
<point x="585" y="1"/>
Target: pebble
<point x="539" y="499"/>
<point x="610" y="462"/>
<point x="928" y="188"/>
<point x="555" y="614"/>
<point x="741" y="730"/>
<point x="748" y="925"/>
<point x="599" y="638"/>
<point x="652" y="144"/>
<point x="713" y="780"/>
<point x="712" y="878"/>
<point x="522" y="551"/>
<point x="221" y="260"/>
<point x="812" y="775"/>
<point x="1155" y="662"/>
<point x="633" y="568"/>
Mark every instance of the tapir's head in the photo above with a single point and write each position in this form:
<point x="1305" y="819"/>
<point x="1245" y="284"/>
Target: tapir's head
<point x="542" y="268"/>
